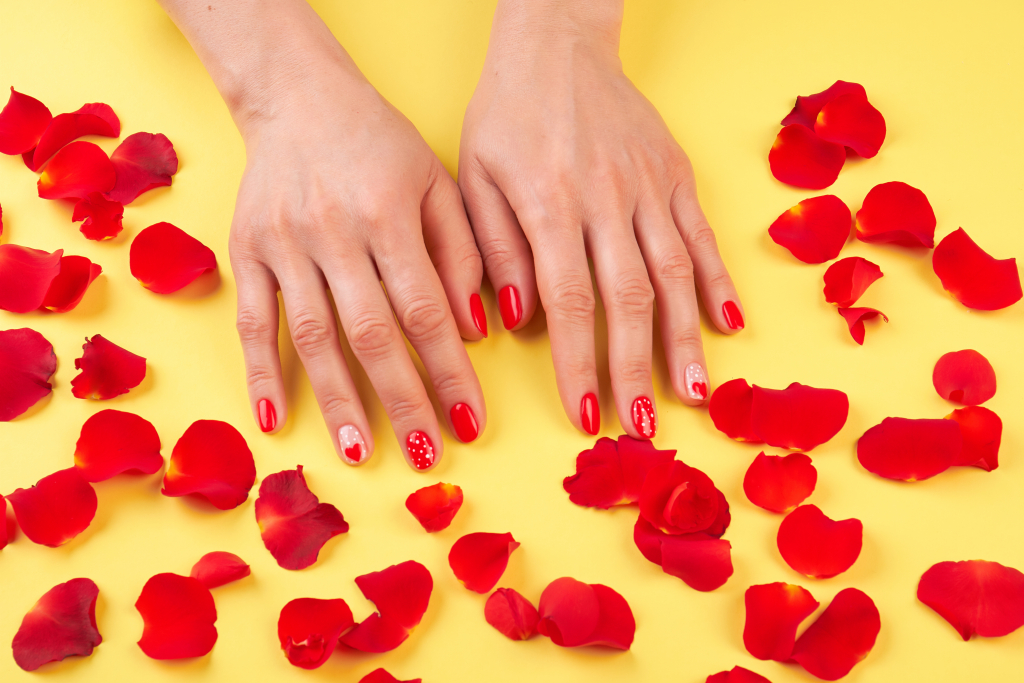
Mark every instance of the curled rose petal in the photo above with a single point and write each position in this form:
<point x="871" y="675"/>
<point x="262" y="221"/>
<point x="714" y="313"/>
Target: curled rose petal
<point x="800" y="158"/>
<point x="779" y="483"/>
<point x="22" y="123"/>
<point x="817" y="546"/>
<point x="573" y="613"/>
<point x="143" y="161"/>
<point x="737" y="675"/>
<point x="478" y="560"/>
<point x="774" y="613"/>
<point x="730" y="407"/>
<point x="107" y="370"/>
<point x="807" y="107"/>
<point x="896" y="213"/>
<point x="909" y="450"/>
<point x="798" y="417"/>
<point x="840" y="638"/>
<point x="25" y="277"/>
<point x="435" y="506"/>
<point x="401" y="594"/>
<point x="219" y="568"/>
<point x="61" y="624"/>
<point x="164" y="258"/>
<point x="702" y="561"/>
<point x="59" y="507"/>
<point x="90" y="119"/>
<point x="814" y="230"/>
<point x="212" y="460"/>
<point x="974" y="278"/>
<point x="75" y="171"/>
<point x="612" y="472"/>
<point x="293" y="523"/>
<point x="178" y="616"/>
<point x="847" y="279"/>
<point x="976" y="597"/>
<point x="855" y="318"/>
<point x="27" y="362"/>
<point x="102" y="217"/>
<point x="982" y="430"/>
<point x="309" y="628"/>
<point x="382" y="676"/>
<point x="679" y="499"/>
<point x="850" y="120"/>
<point x="67" y="289"/>
<point x="511" y="614"/>
<point x="113" y="442"/>
<point x="964" y="377"/>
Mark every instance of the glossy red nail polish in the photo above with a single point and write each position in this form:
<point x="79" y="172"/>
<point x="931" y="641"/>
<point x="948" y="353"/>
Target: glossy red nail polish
<point x="421" y="450"/>
<point x="733" y="317"/>
<point x="268" y="416"/>
<point x="476" y="309"/>
<point x="644" y="419"/>
<point x="464" y="422"/>
<point x="590" y="414"/>
<point x="510" y="306"/>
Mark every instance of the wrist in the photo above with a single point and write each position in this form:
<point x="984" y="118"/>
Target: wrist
<point x="558" y="26"/>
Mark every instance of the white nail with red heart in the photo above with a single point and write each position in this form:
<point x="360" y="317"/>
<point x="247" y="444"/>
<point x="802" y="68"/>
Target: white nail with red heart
<point x="353" y="447"/>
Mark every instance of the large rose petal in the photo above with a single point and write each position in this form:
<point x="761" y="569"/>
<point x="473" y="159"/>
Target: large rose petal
<point x="798" y="417"/>
<point x="219" y="568"/>
<point x="737" y="675"/>
<point x="102" y="217"/>
<point x="840" y="638"/>
<point x="612" y="473"/>
<point x="702" y="561"/>
<point x="178" y="616"/>
<point x="730" y="408"/>
<point x="27" y="362"/>
<point x="143" y="161"/>
<point x="814" y="230"/>
<point x="61" y="624"/>
<point x="75" y="171"/>
<point x="977" y="597"/>
<point x="774" y="613"/>
<point x="974" y="278"/>
<point x="91" y="119"/>
<point x="212" y="460"/>
<point x="982" y="430"/>
<point x="309" y="628"/>
<point x="68" y="288"/>
<point x="896" y="213"/>
<point x="382" y="676"/>
<point x="850" y="120"/>
<point x="511" y="614"/>
<point x="107" y="370"/>
<point x="59" y="507"/>
<point x="573" y="613"/>
<point x="808" y="106"/>
<point x="779" y="484"/>
<point x="799" y="157"/>
<point x="401" y="593"/>
<point x="847" y="279"/>
<point x="855" y="318"/>
<point x="478" y="560"/>
<point x="113" y="442"/>
<point x="25" y="277"/>
<point x="679" y="499"/>
<point x="22" y="123"/>
<point x="964" y="377"/>
<point x="909" y="450"/>
<point x="164" y="258"/>
<point x="817" y="546"/>
<point x="435" y="506"/>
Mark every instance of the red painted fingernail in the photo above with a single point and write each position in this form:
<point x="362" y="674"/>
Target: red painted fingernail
<point x="464" y="422"/>
<point x="510" y="306"/>
<point x="268" y="416"/>
<point x="733" y="317"/>
<point x="476" y="309"/>
<point x="644" y="419"/>
<point x="590" y="414"/>
<point x="421" y="450"/>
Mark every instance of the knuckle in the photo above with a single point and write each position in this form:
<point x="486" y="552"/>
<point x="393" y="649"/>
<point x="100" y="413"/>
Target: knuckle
<point x="500" y="256"/>
<point x="254" y="328"/>
<point x="674" y="269"/>
<point x="258" y="374"/>
<point x="403" y="410"/>
<point x="702" y="238"/>
<point x="423" y="318"/>
<point x="718" y="279"/>
<point x="686" y="338"/>
<point x="311" y="333"/>
<point x="371" y="335"/>
<point x="633" y="292"/>
<point x="573" y="299"/>
<point x="449" y="384"/>
<point x="634" y="372"/>
<point x="338" y="405"/>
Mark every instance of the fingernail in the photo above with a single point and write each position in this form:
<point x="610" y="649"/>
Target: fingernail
<point x="464" y="422"/>
<point x="268" y="416"/>
<point x="644" y="419"/>
<point x="696" y="382"/>
<point x="510" y="306"/>
<point x="421" y="450"/>
<point x="353" y="447"/>
<point x="733" y="317"/>
<point x="476" y="309"/>
<point x="590" y="414"/>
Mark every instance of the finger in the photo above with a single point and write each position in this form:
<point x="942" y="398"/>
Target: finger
<point x="257" y="330"/>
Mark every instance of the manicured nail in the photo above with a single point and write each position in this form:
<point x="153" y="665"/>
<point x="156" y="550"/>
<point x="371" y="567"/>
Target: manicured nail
<point x="476" y="309"/>
<point x="353" y="447"/>
<point x="733" y="317"/>
<point x="696" y="382"/>
<point x="590" y="414"/>
<point x="421" y="450"/>
<point x="268" y="416"/>
<point x="644" y="419"/>
<point x="464" y="422"/>
<point x="510" y="306"/>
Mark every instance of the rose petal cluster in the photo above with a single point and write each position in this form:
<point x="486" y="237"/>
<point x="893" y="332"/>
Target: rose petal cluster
<point x="36" y="280"/>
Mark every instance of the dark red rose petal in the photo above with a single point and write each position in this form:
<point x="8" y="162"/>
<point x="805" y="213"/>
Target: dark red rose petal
<point x="722" y="520"/>
<point x="113" y="442"/>
<point x="102" y="217"/>
<point x="798" y="417"/>
<point x="178" y="616"/>
<point x="730" y="407"/>
<point x="143" y="161"/>
<point x="612" y="472"/>
<point x="573" y="613"/>
<point x="817" y="546"/>
<point x="779" y="484"/>
<point x="855" y="318"/>
<point x="512" y="614"/>
<point x="774" y="613"/>
<point x="807" y="107"/>
<point x="59" y="507"/>
<point x="401" y="593"/>
<point x="703" y="562"/>
<point x="107" y="370"/>
<point x="219" y="568"/>
<point x="800" y="158"/>
<point x="435" y="506"/>
<point x="212" y="460"/>
<point x="977" y="597"/>
<point x="67" y="289"/>
<point x="165" y="258"/>
<point x="974" y="278"/>
<point x="896" y="213"/>
<point x="964" y="377"/>
<point x="25" y="277"/>
<point x="982" y="430"/>
<point x="850" y="120"/>
<point x="480" y="559"/>
<point x="293" y="523"/>
<point x="75" y="171"/>
<point x="814" y="230"/>
<point x="309" y="629"/>
<point x="91" y="119"/>
<point x="62" y="624"/>
<point x="847" y="279"/>
<point x="909" y="450"/>
<point x="382" y="676"/>
<point x="22" y="123"/>
<point x="679" y="499"/>
<point x="840" y="638"/>
<point x="27" y="362"/>
<point x="737" y="675"/>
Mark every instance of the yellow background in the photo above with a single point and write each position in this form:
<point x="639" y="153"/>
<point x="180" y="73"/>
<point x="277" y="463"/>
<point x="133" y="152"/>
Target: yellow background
<point x="947" y="76"/>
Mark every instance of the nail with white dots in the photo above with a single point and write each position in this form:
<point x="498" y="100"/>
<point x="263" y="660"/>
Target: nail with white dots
<point x="696" y="382"/>
<point x="421" y="450"/>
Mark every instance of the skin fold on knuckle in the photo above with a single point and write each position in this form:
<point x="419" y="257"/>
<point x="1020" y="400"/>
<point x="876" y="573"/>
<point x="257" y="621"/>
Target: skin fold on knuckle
<point x="572" y="301"/>
<point x="311" y="334"/>
<point x="406" y="413"/>
<point x="424" y="319"/>
<point x="674" y="270"/>
<point x="254" y="328"/>
<point x="339" y="407"/>
<point x="633" y="296"/>
<point x="634" y="372"/>
<point x="371" y="335"/>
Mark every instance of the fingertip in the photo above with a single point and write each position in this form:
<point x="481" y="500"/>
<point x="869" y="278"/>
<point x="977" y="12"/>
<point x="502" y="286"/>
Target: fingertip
<point x="353" y="448"/>
<point x="420" y="452"/>
<point x="478" y="314"/>
<point x="732" y="317"/>
<point x="464" y="423"/>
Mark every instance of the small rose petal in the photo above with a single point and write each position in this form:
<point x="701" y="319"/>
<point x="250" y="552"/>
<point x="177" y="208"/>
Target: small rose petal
<point x="219" y="568"/>
<point x="814" y="230"/>
<point x="435" y="506"/>
<point x="22" y="123"/>
<point x="107" y="370"/>
<point x="817" y="546"/>
<point x="703" y="562"/>
<point x="165" y="258"/>
<point x="909" y="450"/>
<point x="27" y="362"/>
<point x="143" y="161"/>
<point x="59" y="507"/>
<point x="113" y="442"/>
<point x="478" y="560"/>
<point x="309" y="628"/>
<point x="730" y="407"/>
<point x="178" y="616"/>
<point x="67" y="289"/>
<point x="850" y="120"/>
<point x="774" y="613"/>
<point x="612" y="472"/>
<point x="974" y="278"/>
<point x="896" y="213"/>
<point x="964" y="377"/>
<point x="737" y="675"/>
<point x="840" y="638"/>
<point x="679" y="499"/>
<point x="90" y="119"/>
<point x="977" y="597"/>
<point x="798" y="417"/>
<point x="293" y="523"/>
<point x="847" y="279"/>
<point x="807" y="107"/>
<point x="855" y="318"/>
<point x="982" y="430"/>
<point x="102" y="217"/>
<point x="61" y="624"/>
<point x="212" y="460"/>
<point x="573" y="613"/>
<point x="512" y="614"/>
<point x="75" y="171"/>
<point x="779" y="484"/>
<point x="382" y="676"/>
<point x="401" y="593"/>
<point x="800" y="158"/>
<point x="25" y="277"/>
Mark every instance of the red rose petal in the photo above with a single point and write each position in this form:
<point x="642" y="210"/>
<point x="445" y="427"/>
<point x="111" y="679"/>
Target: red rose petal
<point x="67" y="289"/>
<point x="847" y="279"/>
<point x="722" y="521"/>
<point x="798" y="417"/>
<point x="143" y="161"/>
<point x="817" y="546"/>
<point x="59" y="507"/>
<point x="478" y="560"/>
<point x="61" y="624"/>
<point x="435" y="506"/>
<point x="107" y="370"/>
<point x="27" y="362"/>
<point x="612" y="473"/>
<point x="679" y="499"/>
<point x="102" y="217"/>
<point x="512" y="614"/>
<point x="75" y="171"/>
<point x="779" y="484"/>
<point x="774" y="613"/>
<point x="964" y="377"/>
<point x="382" y="676"/>
<point x="737" y="675"/>
<point x="974" y="278"/>
<point x="855" y="318"/>
<point x="730" y="407"/>
<point x="814" y="230"/>
<point x="211" y="459"/>
<point x="25" y="277"/>
<point x="113" y="442"/>
<point x="165" y="258"/>
<point x="896" y="213"/>
<point x="219" y="568"/>
<point x="807" y="107"/>
<point x="703" y="562"/>
<point x="573" y="613"/>
<point x="22" y="123"/>
<point x="90" y="119"/>
<point x="178" y="615"/>
<point x="401" y="593"/>
<point x="800" y="158"/>
<point x="840" y="638"/>
<point x="977" y="597"/>
<point x="909" y="450"/>
<point x="309" y="629"/>
<point x="850" y="120"/>
<point x="982" y="430"/>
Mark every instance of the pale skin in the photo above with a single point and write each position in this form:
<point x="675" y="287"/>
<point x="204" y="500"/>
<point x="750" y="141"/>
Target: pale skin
<point x="561" y="158"/>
